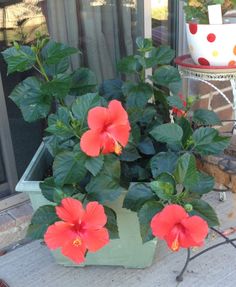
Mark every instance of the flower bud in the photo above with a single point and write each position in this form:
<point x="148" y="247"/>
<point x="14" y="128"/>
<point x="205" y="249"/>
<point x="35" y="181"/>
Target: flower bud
<point x="188" y="207"/>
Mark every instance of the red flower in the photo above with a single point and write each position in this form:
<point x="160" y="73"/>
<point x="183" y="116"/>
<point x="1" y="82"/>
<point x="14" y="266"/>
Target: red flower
<point x="178" y="229"/>
<point x="109" y="130"/>
<point x="80" y="230"/>
<point x="179" y="112"/>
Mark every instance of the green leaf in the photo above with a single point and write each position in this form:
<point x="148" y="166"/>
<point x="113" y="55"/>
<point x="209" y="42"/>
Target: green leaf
<point x="137" y="94"/>
<point x="187" y="129"/>
<point x="162" y="55"/>
<point x="129" y="153"/>
<point x="106" y="185"/>
<point x="128" y="65"/>
<point x="164" y="190"/>
<point x="83" y="104"/>
<point x="166" y="75"/>
<point x="207" y="141"/>
<point x="175" y="101"/>
<point x="206" y="117"/>
<point x="68" y="167"/>
<point x="41" y="220"/>
<point x="29" y="98"/>
<point x="144" y="45"/>
<point x="137" y="195"/>
<point x="111" y="224"/>
<point x="145" y="215"/>
<point x="146" y="146"/>
<point x="83" y="81"/>
<point x="204" y="210"/>
<point x="94" y="164"/>
<point x="167" y="133"/>
<point x="204" y="184"/>
<point x="163" y="162"/>
<point x="54" y="52"/>
<point x="112" y="89"/>
<point x="19" y="60"/>
<point x="186" y="170"/>
<point x="58" y="87"/>
<point x="55" y="69"/>
<point x="59" y="123"/>
<point x="54" y="193"/>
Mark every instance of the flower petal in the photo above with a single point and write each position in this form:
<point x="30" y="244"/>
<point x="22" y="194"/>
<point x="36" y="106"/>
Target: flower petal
<point x="96" y="239"/>
<point x="94" y="217"/>
<point x="75" y="253"/>
<point x="58" y="234"/>
<point x="108" y="144"/>
<point x="71" y="210"/>
<point x="98" y="118"/>
<point x="91" y="143"/>
<point x="120" y="133"/>
<point x="196" y="227"/>
<point x="118" y="115"/>
<point x="164" y="221"/>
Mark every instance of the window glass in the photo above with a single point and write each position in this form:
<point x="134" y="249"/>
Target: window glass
<point x="19" y="21"/>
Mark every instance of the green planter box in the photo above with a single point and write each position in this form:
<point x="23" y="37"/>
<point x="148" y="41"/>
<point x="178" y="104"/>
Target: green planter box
<point x="127" y="251"/>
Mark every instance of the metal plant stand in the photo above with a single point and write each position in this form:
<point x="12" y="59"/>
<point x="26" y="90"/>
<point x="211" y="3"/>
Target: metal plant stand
<point x="190" y="71"/>
<point x="190" y="258"/>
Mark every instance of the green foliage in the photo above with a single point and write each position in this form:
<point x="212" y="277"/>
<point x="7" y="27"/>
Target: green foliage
<point x="157" y="166"/>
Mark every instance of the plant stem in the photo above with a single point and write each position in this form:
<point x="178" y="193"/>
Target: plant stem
<point x="41" y="68"/>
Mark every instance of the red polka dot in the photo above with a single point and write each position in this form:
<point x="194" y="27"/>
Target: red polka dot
<point x="211" y="37"/>
<point x="193" y="28"/>
<point x="203" y="61"/>
<point x="232" y="63"/>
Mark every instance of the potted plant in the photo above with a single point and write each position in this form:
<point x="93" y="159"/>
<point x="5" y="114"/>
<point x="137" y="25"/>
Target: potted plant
<point x="210" y="43"/>
<point x="117" y="167"/>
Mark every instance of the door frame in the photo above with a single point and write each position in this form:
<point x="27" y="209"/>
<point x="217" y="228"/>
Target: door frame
<point x="8" y="157"/>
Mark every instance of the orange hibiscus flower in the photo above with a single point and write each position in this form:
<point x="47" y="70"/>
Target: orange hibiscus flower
<point x="178" y="229"/>
<point x="109" y="130"/>
<point x="80" y="231"/>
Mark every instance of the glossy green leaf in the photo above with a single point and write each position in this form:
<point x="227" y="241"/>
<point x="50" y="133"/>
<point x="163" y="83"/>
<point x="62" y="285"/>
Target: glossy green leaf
<point x="166" y="75"/>
<point x="175" y="101"/>
<point x="163" y="162"/>
<point x="167" y="133"/>
<point x="187" y="129"/>
<point x="207" y="141"/>
<point x="186" y="170"/>
<point x="137" y="94"/>
<point x="111" y="224"/>
<point x="19" y="60"/>
<point x="83" y="82"/>
<point x="145" y="215"/>
<point x="58" y="87"/>
<point x="54" y="52"/>
<point x="146" y="146"/>
<point x="112" y="89"/>
<point x="128" y="65"/>
<point x="204" y="184"/>
<point x="144" y="44"/>
<point x="94" y="164"/>
<point x="206" y="117"/>
<point x="29" y="98"/>
<point x="68" y="167"/>
<point x="164" y="190"/>
<point x="204" y="210"/>
<point x="137" y="195"/>
<point x="83" y="104"/>
<point x="129" y="153"/>
<point x="41" y="220"/>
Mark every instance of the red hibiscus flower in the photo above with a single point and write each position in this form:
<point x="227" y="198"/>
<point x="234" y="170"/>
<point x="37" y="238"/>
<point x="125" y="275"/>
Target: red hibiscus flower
<point x="80" y="230"/>
<point x="179" y="112"/>
<point x="109" y="130"/>
<point x="178" y="229"/>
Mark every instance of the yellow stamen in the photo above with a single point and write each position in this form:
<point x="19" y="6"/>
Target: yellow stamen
<point x="77" y="242"/>
<point x="118" y="148"/>
<point x="175" y="244"/>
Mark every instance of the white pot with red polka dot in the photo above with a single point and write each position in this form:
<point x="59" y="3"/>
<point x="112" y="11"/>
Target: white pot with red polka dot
<point x="212" y="45"/>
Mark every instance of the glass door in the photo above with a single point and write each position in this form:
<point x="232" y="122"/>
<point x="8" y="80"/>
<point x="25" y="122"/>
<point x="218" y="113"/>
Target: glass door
<point x="19" y="21"/>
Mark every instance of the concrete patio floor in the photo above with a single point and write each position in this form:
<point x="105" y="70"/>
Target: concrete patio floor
<point x="33" y="266"/>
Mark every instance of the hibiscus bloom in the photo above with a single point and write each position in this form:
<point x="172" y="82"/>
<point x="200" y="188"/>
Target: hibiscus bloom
<point x="109" y="130"/>
<point x="80" y="231"/>
<point x="179" y="112"/>
<point x="178" y="229"/>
